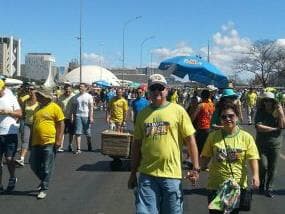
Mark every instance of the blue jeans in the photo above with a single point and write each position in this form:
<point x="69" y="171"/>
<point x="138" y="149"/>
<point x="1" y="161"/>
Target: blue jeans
<point x="42" y="163"/>
<point x="158" y="195"/>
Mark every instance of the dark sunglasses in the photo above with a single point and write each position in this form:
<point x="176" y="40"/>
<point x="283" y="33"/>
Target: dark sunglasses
<point x="156" y="87"/>
<point x="227" y="116"/>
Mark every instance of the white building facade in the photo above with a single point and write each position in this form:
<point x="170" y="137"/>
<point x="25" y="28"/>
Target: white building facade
<point x="10" y="56"/>
<point x="40" y="66"/>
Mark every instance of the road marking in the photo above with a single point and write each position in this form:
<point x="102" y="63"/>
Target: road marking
<point x="282" y="156"/>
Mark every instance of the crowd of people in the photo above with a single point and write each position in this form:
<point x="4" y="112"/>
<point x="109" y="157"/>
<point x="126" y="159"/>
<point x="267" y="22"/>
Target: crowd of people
<point x="207" y="122"/>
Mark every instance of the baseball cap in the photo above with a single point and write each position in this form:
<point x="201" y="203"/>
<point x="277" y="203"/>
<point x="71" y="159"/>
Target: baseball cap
<point x="157" y="79"/>
<point x="2" y="84"/>
<point x="2" y="77"/>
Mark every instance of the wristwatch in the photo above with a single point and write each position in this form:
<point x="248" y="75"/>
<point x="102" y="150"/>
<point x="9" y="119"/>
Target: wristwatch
<point x="196" y="170"/>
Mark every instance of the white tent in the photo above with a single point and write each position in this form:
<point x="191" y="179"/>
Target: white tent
<point x="90" y="74"/>
<point x="10" y="81"/>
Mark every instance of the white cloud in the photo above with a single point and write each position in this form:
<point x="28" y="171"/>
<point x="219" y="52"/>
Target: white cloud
<point x="182" y="49"/>
<point x="281" y="42"/>
<point x="93" y="59"/>
<point x="226" y="46"/>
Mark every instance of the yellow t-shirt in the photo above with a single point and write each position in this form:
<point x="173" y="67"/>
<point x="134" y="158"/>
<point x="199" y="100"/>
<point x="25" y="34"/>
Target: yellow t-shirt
<point x="251" y="99"/>
<point x="162" y="131"/>
<point x="29" y="113"/>
<point x="44" y="124"/>
<point x="117" y="109"/>
<point x="241" y="147"/>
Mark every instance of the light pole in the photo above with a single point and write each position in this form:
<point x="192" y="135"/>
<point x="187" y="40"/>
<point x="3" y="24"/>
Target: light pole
<point x="141" y="53"/>
<point x="80" y="43"/>
<point x="124" y="30"/>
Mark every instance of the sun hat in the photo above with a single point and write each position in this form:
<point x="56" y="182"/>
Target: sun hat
<point x="229" y="92"/>
<point x="2" y="84"/>
<point x="45" y="92"/>
<point x="268" y="95"/>
<point x="157" y="79"/>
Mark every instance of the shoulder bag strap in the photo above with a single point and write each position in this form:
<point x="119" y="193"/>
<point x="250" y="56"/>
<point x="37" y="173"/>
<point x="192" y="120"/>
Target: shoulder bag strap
<point x="227" y="158"/>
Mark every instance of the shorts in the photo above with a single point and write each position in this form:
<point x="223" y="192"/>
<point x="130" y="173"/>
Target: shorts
<point x="8" y="145"/>
<point x="68" y="127"/>
<point x="82" y="126"/>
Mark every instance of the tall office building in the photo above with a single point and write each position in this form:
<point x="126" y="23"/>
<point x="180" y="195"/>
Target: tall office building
<point x="40" y="66"/>
<point x="10" y="56"/>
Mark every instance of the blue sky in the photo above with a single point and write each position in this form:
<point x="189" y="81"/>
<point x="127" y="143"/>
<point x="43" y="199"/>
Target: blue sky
<point x="179" y="27"/>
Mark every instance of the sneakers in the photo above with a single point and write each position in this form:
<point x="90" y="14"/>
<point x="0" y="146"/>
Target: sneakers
<point x="20" y="162"/>
<point x="60" y="150"/>
<point x="11" y="184"/>
<point x="269" y="194"/>
<point x="78" y="151"/>
<point x="42" y="195"/>
<point x="89" y="147"/>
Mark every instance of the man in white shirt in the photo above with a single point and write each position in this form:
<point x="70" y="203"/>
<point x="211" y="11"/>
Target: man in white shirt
<point x="82" y="115"/>
<point x="10" y="111"/>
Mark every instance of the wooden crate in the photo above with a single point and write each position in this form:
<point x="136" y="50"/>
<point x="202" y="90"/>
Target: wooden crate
<point x="116" y="144"/>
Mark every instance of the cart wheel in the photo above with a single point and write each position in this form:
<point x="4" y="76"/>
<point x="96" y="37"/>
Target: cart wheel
<point x="116" y="164"/>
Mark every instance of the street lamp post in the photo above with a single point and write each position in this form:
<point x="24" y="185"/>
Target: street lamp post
<point x="124" y="30"/>
<point x="141" y="53"/>
<point x="80" y="43"/>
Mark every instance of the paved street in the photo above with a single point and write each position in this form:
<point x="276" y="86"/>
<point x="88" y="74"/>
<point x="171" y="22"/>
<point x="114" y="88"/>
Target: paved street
<point x="85" y="184"/>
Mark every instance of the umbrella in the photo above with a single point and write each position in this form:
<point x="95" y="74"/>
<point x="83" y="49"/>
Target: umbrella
<point x="197" y="70"/>
<point x="103" y="83"/>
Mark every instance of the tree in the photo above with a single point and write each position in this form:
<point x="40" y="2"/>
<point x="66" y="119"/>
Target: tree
<point x="265" y="59"/>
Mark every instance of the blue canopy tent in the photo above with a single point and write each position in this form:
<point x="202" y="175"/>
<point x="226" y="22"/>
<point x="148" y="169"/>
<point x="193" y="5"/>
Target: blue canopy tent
<point x="197" y="70"/>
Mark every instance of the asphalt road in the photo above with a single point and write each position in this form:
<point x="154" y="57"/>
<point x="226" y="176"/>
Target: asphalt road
<point x="85" y="184"/>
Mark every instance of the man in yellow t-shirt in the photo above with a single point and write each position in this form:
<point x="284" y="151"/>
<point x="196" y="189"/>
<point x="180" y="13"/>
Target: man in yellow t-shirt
<point x="47" y="134"/>
<point x="116" y="114"/>
<point x="251" y="98"/>
<point x="160" y="130"/>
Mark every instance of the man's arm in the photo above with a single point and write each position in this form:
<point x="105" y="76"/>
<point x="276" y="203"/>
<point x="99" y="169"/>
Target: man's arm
<point x="59" y="128"/>
<point x="16" y="113"/>
<point x="195" y="113"/>
<point x="91" y="115"/>
<point x="135" y="162"/>
<point x="192" y="150"/>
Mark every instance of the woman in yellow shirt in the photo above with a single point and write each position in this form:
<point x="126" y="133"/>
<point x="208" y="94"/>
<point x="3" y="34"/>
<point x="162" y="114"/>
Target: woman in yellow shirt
<point x="29" y="107"/>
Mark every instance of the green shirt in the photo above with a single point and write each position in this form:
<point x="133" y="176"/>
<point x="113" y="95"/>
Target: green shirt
<point x="268" y="139"/>
<point x="240" y="147"/>
<point x="162" y="131"/>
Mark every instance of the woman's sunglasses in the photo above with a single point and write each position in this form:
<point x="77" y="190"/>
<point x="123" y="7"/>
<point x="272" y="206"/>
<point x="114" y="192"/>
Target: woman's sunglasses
<point x="227" y="116"/>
